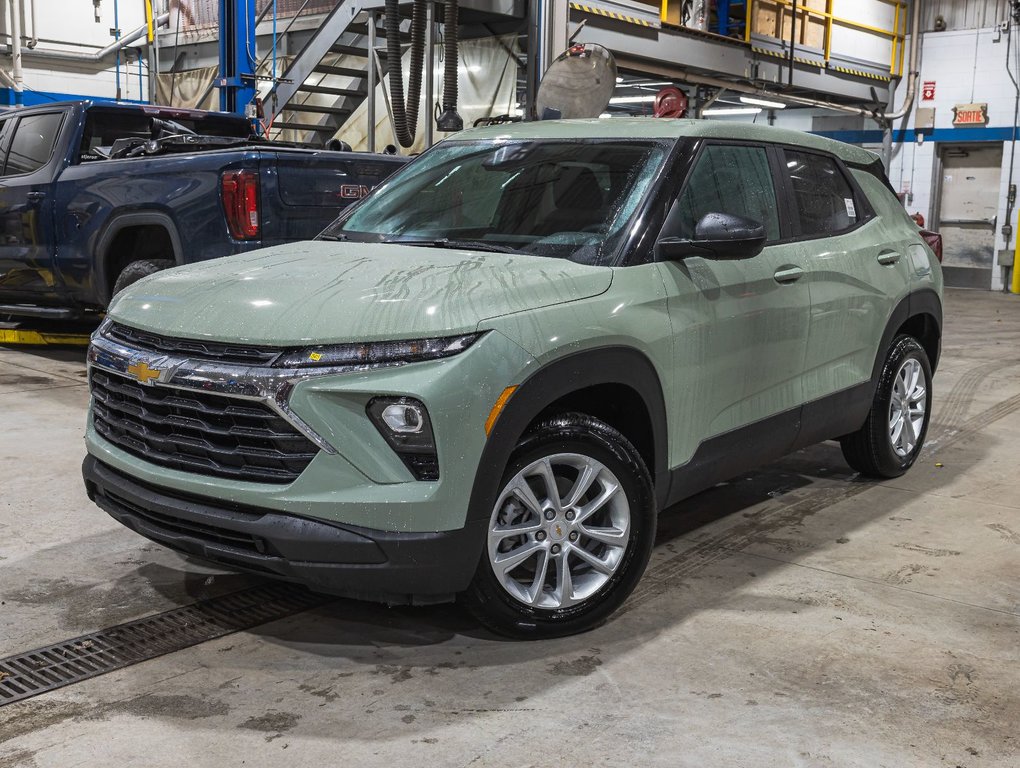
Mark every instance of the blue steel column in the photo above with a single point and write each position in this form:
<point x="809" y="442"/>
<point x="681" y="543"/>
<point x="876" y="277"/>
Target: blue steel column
<point x="237" y="55"/>
<point x="722" y="12"/>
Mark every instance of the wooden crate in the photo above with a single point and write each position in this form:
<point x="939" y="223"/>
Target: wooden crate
<point x="772" y="19"/>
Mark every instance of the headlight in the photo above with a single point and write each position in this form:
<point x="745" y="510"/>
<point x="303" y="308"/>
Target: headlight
<point x="103" y="327"/>
<point x="377" y="352"/>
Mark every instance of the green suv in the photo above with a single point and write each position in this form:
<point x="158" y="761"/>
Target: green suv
<point x="485" y="380"/>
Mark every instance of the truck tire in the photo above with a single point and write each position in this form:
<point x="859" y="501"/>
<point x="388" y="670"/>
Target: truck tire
<point x="570" y="532"/>
<point x="136" y="270"/>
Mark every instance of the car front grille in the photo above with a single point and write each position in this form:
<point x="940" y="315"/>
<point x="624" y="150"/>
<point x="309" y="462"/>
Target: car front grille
<point x="206" y="350"/>
<point x="198" y="432"/>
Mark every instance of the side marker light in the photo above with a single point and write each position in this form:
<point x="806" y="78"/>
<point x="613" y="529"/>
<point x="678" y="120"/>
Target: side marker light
<point x="497" y="408"/>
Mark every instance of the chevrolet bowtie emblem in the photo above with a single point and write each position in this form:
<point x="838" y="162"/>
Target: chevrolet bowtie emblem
<point x="143" y="372"/>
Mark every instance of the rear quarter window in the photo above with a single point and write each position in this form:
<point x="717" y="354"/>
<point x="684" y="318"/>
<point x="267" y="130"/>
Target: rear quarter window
<point x="882" y="200"/>
<point x="823" y="198"/>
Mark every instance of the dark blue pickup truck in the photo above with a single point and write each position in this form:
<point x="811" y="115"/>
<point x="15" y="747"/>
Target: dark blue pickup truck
<point x="96" y="195"/>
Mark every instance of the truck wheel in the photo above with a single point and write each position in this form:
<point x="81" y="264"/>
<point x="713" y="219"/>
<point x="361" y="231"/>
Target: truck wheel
<point x="892" y="437"/>
<point x="570" y="533"/>
<point x="136" y="270"/>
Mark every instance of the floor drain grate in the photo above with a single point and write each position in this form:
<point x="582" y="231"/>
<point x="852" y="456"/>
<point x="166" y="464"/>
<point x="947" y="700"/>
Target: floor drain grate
<point x="34" y="672"/>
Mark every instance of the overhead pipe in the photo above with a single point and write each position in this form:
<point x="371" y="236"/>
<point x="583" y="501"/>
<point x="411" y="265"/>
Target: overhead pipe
<point x="33" y="41"/>
<point x="116" y="37"/>
<point x="793" y="42"/>
<point x="98" y="56"/>
<point x="750" y="90"/>
<point x="876" y="114"/>
<point x="6" y="78"/>
<point x="16" y="68"/>
<point x="913" y="68"/>
<point x="913" y="73"/>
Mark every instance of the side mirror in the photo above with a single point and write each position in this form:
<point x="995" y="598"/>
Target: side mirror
<point x="717" y="236"/>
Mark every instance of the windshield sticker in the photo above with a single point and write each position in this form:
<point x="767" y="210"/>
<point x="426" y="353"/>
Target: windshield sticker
<point x="850" y="210"/>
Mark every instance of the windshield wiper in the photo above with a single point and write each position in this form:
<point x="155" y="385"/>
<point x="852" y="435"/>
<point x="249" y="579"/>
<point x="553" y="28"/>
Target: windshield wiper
<point x="445" y="242"/>
<point x="337" y="238"/>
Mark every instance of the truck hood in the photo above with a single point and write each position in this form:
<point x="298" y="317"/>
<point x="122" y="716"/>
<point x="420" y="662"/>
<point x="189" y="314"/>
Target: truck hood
<point x="328" y="292"/>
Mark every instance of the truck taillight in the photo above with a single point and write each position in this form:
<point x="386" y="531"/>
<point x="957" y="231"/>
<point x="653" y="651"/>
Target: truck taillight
<point x="240" y="191"/>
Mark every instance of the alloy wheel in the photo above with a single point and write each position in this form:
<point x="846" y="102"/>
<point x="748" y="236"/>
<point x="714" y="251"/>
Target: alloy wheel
<point x="558" y="531"/>
<point x="907" y="407"/>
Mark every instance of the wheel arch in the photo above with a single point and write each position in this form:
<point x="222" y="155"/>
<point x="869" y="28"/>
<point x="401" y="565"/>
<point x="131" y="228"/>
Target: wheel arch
<point x="918" y="314"/>
<point x="105" y="259"/>
<point x="581" y="382"/>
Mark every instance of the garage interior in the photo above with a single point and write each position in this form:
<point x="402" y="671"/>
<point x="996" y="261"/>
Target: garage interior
<point x="799" y="614"/>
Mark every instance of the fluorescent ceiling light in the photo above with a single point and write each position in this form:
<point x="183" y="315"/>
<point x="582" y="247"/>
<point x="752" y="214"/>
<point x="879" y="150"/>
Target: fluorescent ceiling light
<point x="732" y="111"/>
<point x="762" y="102"/>
<point x="634" y="100"/>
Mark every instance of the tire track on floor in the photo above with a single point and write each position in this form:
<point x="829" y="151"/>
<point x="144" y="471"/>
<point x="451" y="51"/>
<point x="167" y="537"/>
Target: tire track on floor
<point x="668" y="573"/>
<point x="973" y="427"/>
<point x="952" y="409"/>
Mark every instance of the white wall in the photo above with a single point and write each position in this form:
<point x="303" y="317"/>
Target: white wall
<point x="967" y="66"/>
<point x="70" y="25"/>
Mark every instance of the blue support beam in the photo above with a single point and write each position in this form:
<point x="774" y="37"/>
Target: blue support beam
<point x="237" y="55"/>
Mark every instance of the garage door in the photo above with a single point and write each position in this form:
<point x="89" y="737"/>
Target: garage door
<point x="968" y="205"/>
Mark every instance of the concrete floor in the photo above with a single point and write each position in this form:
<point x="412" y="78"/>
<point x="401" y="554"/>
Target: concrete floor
<point x="796" y="616"/>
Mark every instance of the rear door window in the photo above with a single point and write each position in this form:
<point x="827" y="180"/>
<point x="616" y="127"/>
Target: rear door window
<point x="33" y="143"/>
<point x="734" y="179"/>
<point x="823" y="198"/>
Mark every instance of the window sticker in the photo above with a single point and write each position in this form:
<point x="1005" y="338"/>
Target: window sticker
<point x="850" y="210"/>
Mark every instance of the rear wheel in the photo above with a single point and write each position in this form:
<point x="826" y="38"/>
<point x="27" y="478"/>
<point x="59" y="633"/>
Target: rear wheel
<point x="570" y="532"/>
<point x="136" y="270"/>
<point x="893" y="435"/>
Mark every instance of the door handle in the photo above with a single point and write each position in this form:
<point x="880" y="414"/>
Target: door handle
<point x="788" y="274"/>
<point x="888" y="258"/>
<point x="36" y="197"/>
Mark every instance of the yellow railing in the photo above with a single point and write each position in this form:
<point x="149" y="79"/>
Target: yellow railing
<point x="896" y="35"/>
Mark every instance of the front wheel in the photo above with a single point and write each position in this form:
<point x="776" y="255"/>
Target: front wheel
<point x="570" y="532"/>
<point x="893" y="435"/>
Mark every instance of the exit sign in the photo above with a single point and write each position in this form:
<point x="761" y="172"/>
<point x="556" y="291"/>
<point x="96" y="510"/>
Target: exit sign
<point x="970" y="114"/>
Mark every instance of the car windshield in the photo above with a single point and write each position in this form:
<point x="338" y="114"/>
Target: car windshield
<point x="570" y="200"/>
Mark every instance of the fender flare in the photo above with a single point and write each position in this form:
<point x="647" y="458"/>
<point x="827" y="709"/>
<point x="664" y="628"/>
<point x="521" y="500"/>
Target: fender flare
<point x="918" y="303"/>
<point x="619" y="365"/>
<point x="117" y="224"/>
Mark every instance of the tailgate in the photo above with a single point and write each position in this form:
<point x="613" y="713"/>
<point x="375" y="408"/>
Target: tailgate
<point x="305" y="190"/>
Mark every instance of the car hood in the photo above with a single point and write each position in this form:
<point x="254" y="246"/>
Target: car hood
<point x="323" y="291"/>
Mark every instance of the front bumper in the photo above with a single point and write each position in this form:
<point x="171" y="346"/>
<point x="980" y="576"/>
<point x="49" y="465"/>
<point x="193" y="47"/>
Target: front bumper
<point x="329" y="557"/>
<point x="361" y="482"/>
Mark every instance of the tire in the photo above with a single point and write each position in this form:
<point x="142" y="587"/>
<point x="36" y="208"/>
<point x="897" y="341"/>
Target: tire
<point x="136" y="270"/>
<point x="576" y="448"/>
<point x="879" y="448"/>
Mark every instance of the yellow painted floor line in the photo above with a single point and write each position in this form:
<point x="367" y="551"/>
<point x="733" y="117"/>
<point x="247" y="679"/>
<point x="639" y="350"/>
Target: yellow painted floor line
<point x="42" y="338"/>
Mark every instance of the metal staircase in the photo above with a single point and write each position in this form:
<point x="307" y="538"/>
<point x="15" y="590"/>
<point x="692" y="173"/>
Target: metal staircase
<point x="329" y="77"/>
